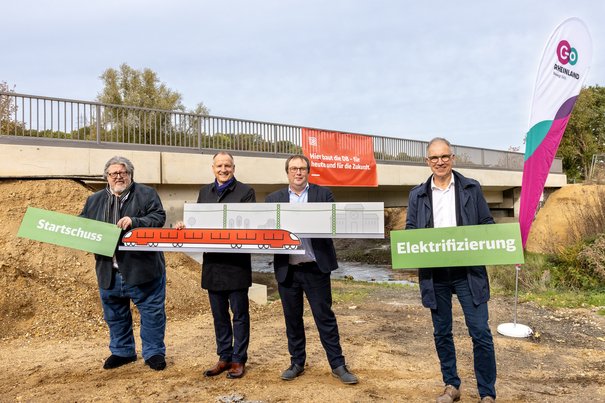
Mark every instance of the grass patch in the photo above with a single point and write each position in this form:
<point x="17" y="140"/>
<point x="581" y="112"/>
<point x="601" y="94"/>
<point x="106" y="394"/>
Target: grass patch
<point x="350" y="291"/>
<point x="540" y="280"/>
<point x="568" y="299"/>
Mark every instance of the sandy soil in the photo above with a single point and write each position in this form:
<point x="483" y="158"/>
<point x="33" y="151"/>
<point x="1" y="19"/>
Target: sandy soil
<point x="560" y="222"/>
<point x="53" y="340"/>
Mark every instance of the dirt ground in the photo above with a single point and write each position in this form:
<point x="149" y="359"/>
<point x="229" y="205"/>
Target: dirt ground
<point x="53" y="340"/>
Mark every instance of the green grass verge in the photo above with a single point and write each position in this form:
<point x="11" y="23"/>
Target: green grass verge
<point x="568" y="299"/>
<point x="349" y="291"/>
<point x="536" y="283"/>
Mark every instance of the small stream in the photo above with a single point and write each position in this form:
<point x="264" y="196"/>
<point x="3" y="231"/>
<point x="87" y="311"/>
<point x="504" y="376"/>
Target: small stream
<point x="263" y="263"/>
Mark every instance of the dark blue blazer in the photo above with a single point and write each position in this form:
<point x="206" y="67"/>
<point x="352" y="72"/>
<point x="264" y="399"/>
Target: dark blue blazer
<point x="471" y="209"/>
<point x="323" y="248"/>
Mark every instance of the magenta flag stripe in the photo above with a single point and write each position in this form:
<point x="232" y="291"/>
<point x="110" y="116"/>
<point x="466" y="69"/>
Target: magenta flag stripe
<point x="539" y="165"/>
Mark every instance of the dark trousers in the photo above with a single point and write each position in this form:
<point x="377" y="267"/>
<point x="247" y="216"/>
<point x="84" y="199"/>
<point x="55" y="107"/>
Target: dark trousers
<point x="149" y="299"/>
<point x="308" y="279"/>
<point x="476" y="318"/>
<point x="231" y="340"/>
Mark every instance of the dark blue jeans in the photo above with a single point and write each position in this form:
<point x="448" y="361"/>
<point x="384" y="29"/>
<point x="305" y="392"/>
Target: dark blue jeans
<point x="149" y="299"/>
<point x="231" y="341"/>
<point x="476" y="318"/>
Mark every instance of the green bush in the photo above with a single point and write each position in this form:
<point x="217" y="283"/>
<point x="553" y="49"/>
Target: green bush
<point x="592" y="259"/>
<point x="580" y="266"/>
<point x="533" y="276"/>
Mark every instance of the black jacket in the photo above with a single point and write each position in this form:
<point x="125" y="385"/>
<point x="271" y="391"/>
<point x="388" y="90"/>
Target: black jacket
<point x="144" y="207"/>
<point x="322" y="247"/>
<point x="227" y="271"/>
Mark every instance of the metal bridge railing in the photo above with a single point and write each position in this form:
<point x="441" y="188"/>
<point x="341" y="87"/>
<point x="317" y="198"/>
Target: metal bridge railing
<point x="30" y="116"/>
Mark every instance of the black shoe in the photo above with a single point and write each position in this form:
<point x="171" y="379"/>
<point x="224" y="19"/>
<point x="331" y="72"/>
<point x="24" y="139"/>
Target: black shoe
<point x="115" y="361"/>
<point x="292" y="372"/>
<point x="157" y="362"/>
<point x="344" y="375"/>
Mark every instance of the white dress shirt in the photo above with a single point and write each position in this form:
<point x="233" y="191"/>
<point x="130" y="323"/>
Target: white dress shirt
<point x="309" y="256"/>
<point x="444" y="205"/>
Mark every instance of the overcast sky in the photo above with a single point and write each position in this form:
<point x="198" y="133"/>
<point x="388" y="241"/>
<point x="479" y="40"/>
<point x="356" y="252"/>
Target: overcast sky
<point x="462" y="69"/>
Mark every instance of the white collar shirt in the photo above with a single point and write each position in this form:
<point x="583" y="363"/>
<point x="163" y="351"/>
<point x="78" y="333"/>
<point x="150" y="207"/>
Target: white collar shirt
<point x="309" y="255"/>
<point x="444" y="205"/>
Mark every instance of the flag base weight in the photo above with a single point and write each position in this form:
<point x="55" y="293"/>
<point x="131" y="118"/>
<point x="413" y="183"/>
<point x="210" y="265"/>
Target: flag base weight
<point x="514" y="330"/>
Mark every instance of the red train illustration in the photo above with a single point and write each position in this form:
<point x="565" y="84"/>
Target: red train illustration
<point x="208" y="237"/>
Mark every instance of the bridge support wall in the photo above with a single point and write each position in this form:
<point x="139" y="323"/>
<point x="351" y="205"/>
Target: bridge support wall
<point x="178" y="175"/>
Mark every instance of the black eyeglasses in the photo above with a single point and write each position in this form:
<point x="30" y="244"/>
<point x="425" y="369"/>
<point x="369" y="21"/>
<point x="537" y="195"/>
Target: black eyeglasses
<point x="444" y="158"/>
<point x="298" y="169"/>
<point x="114" y="175"/>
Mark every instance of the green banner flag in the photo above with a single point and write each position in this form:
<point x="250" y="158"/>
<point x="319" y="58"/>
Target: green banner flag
<point x="473" y="245"/>
<point x="71" y="231"/>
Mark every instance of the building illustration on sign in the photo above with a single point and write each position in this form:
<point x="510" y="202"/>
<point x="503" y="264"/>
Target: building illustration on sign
<point x="355" y="219"/>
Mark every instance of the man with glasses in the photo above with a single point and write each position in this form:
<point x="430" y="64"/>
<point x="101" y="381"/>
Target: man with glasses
<point x="139" y="277"/>
<point x="308" y="274"/>
<point x="448" y="199"/>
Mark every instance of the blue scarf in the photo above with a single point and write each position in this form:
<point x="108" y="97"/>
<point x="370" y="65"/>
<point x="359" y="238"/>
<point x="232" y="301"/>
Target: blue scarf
<point x="220" y="189"/>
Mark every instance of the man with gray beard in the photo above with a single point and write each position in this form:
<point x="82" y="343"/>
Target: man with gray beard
<point x="128" y="276"/>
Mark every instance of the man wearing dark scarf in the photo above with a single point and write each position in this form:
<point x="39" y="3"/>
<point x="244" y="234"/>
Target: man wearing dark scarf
<point x="134" y="276"/>
<point x="227" y="276"/>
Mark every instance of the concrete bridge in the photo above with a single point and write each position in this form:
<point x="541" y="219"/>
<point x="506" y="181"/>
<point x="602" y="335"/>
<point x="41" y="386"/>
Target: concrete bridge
<point x="45" y="137"/>
<point x="178" y="175"/>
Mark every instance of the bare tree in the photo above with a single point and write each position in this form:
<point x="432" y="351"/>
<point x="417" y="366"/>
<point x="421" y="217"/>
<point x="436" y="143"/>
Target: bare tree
<point x="8" y="110"/>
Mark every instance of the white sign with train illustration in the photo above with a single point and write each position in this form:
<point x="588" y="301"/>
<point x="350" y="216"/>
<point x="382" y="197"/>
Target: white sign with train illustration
<point x="260" y="227"/>
<point x="307" y="220"/>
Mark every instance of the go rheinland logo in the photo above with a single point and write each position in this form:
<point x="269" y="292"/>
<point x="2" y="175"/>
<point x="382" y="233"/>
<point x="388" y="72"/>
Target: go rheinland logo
<point x="566" y="54"/>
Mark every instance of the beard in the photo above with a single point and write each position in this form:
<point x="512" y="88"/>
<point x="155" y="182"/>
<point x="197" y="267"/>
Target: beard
<point x="120" y="187"/>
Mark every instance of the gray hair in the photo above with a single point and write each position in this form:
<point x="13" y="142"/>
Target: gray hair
<point x="438" y="140"/>
<point x="223" y="153"/>
<point x="118" y="160"/>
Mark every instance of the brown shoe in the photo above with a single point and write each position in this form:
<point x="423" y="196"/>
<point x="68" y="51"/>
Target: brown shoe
<point x="488" y="399"/>
<point x="450" y="394"/>
<point x="218" y="368"/>
<point x="237" y="370"/>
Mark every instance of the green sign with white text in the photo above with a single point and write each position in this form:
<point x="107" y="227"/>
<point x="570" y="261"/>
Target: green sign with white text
<point x="472" y="245"/>
<point x="71" y="231"/>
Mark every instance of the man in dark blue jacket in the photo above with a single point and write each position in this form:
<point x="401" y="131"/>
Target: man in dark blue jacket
<point x="308" y="274"/>
<point x="449" y="199"/>
<point x="139" y="277"/>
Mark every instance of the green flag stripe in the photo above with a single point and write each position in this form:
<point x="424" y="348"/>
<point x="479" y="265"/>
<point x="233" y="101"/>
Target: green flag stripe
<point x="536" y="136"/>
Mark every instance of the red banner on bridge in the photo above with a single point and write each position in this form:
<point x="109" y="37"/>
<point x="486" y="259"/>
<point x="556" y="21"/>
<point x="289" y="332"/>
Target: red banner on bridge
<point x="340" y="159"/>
